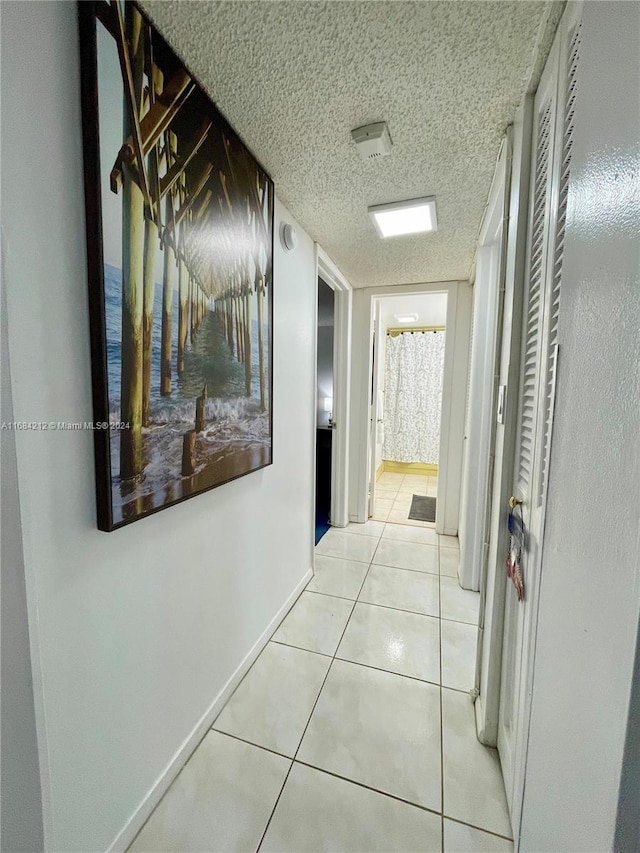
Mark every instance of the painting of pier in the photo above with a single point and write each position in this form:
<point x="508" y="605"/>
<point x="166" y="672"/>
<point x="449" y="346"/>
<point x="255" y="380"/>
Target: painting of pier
<point x="180" y="244"/>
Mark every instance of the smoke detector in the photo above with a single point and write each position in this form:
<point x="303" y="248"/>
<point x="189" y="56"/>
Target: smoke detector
<point x="372" y="140"/>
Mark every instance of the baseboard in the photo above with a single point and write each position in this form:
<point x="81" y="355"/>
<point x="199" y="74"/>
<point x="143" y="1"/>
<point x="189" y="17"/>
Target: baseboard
<point x="424" y="468"/>
<point x="379" y="470"/>
<point x="160" y="787"/>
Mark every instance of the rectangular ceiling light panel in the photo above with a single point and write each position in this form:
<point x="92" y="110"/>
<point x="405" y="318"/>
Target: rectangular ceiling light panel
<point x="414" y="216"/>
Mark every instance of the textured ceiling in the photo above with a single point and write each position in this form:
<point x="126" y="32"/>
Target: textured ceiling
<point x="293" y="78"/>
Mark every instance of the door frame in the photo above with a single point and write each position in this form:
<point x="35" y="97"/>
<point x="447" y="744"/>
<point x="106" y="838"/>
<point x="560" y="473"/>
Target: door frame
<point x="454" y="381"/>
<point x="329" y="272"/>
<point x="488" y="295"/>
<point x="376" y="415"/>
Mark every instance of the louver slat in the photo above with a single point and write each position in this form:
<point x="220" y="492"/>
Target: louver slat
<point x="532" y="324"/>
<point x="554" y="312"/>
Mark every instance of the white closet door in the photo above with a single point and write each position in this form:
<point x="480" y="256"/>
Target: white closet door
<point x="553" y="124"/>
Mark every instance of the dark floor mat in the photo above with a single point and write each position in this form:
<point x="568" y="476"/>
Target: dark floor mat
<point x="423" y="508"/>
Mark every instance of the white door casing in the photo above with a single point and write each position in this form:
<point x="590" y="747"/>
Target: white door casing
<point x="480" y="429"/>
<point x="376" y="412"/>
<point x="328" y="271"/>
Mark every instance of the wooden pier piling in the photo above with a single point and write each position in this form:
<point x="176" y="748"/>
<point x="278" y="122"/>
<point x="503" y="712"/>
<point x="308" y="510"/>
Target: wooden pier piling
<point x="247" y="343"/>
<point x="188" y="450"/>
<point x="167" y="313"/>
<point x="183" y="313"/>
<point x="151" y="244"/>
<point x="200" y="401"/>
<point x="133" y="234"/>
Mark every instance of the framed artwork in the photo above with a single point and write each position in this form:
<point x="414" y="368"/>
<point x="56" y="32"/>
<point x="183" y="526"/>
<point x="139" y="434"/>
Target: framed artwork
<point x="180" y="261"/>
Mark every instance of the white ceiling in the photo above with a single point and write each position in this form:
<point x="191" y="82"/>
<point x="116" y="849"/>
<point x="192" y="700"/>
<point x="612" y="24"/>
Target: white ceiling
<point x="294" y="77"/>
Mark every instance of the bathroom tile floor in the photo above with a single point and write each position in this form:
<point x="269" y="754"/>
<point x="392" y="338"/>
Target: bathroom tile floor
<point x="394" y="493"/>
<point x="353" y="731"/>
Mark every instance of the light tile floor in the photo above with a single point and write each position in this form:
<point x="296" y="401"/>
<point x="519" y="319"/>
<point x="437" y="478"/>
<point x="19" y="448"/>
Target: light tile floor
<point x="353" y="731"/>
<point x="394" y="493"/>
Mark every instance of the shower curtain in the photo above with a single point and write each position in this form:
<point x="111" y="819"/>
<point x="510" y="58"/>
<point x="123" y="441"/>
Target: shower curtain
<point x="413" y="394"/>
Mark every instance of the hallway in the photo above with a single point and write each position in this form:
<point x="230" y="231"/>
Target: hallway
<point x="364" y="685"/>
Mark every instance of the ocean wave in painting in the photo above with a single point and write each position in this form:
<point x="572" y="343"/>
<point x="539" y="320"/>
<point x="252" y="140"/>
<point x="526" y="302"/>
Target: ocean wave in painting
<point x="235" y="428"/>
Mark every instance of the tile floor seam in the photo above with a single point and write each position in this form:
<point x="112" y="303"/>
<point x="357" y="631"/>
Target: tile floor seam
<point x="377" y="536"/>
<point x="275" y="806"/>
<point x="253" y="743"/>
<point x="331" y="557"/>
<point x="405" y="569"/>
<point x="478" y="828"/>
<point x="399" y="609"/>
<point x="392" y="672"/>
<point x="369" y="787"/>
<point x="302" y="648"/>
<point x="330" y="594"/>
<point x="460" y="622"/>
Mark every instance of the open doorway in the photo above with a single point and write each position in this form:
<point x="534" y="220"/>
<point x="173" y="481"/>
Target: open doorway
<point x="407" y="384"/>
<point x="324" y="407"/>
<point x="364" y="411"/>
<point x="333" y="387"/>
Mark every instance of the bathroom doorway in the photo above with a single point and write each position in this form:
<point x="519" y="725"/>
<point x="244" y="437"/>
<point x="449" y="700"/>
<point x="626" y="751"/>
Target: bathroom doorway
<point x="406" y="403"/>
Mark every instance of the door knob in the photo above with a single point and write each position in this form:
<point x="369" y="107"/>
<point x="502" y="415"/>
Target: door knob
<point x="514" y="502"/>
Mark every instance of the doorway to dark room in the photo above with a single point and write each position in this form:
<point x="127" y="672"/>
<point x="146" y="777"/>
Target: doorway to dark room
<point x="324" y="407"/>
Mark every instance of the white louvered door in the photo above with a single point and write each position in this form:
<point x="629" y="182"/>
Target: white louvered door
<point x="551" y="155"/>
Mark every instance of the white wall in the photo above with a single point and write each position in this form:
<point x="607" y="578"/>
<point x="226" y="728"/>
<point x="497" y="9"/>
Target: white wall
<point x="590" y="593"/>
<point x="21" y="806"/>
<point x="138" y="630"/>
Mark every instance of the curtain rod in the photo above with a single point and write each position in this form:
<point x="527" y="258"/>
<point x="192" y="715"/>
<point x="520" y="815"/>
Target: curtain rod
<point x="394" y="332"/>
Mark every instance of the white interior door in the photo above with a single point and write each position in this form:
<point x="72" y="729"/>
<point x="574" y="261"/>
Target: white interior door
<point x="551" y="152"/>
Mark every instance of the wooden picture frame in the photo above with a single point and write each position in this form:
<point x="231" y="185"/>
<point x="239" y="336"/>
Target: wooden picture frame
<point x="180" y="264"/>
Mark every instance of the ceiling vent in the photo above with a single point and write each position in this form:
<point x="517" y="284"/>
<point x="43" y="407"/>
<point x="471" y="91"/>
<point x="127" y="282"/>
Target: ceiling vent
<point x="372" y="140"/>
